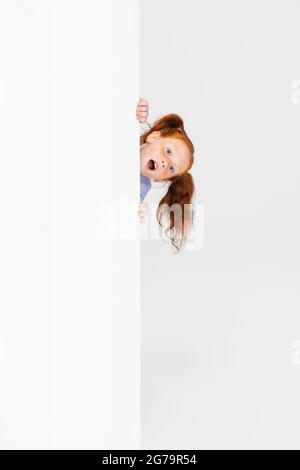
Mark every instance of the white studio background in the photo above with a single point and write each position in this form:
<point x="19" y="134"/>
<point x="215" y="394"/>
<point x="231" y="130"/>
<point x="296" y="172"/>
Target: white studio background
<point x="70" y="300"/>
<point x="221" y="325"/>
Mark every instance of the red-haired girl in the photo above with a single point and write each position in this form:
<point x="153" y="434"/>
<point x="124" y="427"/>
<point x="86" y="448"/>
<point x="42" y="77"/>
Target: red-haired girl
<point x="167" y="154"/>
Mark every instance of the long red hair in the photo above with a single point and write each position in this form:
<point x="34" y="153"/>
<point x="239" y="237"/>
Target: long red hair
<point x="181" y="188"/>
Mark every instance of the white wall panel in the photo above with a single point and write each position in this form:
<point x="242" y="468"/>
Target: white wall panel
<point x="69" y="325"/>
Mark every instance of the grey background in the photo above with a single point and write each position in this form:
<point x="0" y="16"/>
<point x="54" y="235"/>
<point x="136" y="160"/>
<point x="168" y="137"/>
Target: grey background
<point x="220" y="325"/>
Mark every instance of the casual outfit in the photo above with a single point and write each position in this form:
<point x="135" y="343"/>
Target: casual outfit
<point x="145" y="185"/>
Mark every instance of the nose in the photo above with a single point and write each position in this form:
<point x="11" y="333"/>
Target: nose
<point x="164" y="163"/>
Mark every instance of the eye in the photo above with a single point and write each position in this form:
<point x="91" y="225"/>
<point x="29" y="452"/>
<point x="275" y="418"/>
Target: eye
<point x="171" y="167"/>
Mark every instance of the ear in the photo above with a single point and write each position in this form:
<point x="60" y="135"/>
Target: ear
<point x="153" y="136"/>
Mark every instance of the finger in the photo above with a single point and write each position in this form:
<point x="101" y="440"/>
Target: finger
<point x="142" y="109"/>
<point x="142" y="113"/>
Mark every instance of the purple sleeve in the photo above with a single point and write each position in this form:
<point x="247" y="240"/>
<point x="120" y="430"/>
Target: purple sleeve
<point x="145" y="185"/>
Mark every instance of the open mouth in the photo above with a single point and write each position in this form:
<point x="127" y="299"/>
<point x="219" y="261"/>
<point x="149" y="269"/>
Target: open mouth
<point x="152" y="165"/>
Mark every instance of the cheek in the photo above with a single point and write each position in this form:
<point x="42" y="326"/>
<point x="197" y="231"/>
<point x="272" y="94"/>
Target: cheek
<point x="183" y="164"/>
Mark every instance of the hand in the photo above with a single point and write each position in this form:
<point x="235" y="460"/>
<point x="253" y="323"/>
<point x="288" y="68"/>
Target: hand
<point x="142" y="212"/>
<point x="142" y="110"/>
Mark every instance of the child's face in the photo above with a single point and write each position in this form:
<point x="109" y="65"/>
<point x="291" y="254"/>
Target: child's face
<point x="163" y="157"/>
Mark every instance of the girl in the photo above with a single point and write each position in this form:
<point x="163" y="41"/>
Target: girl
<point x="167" y="154"/>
